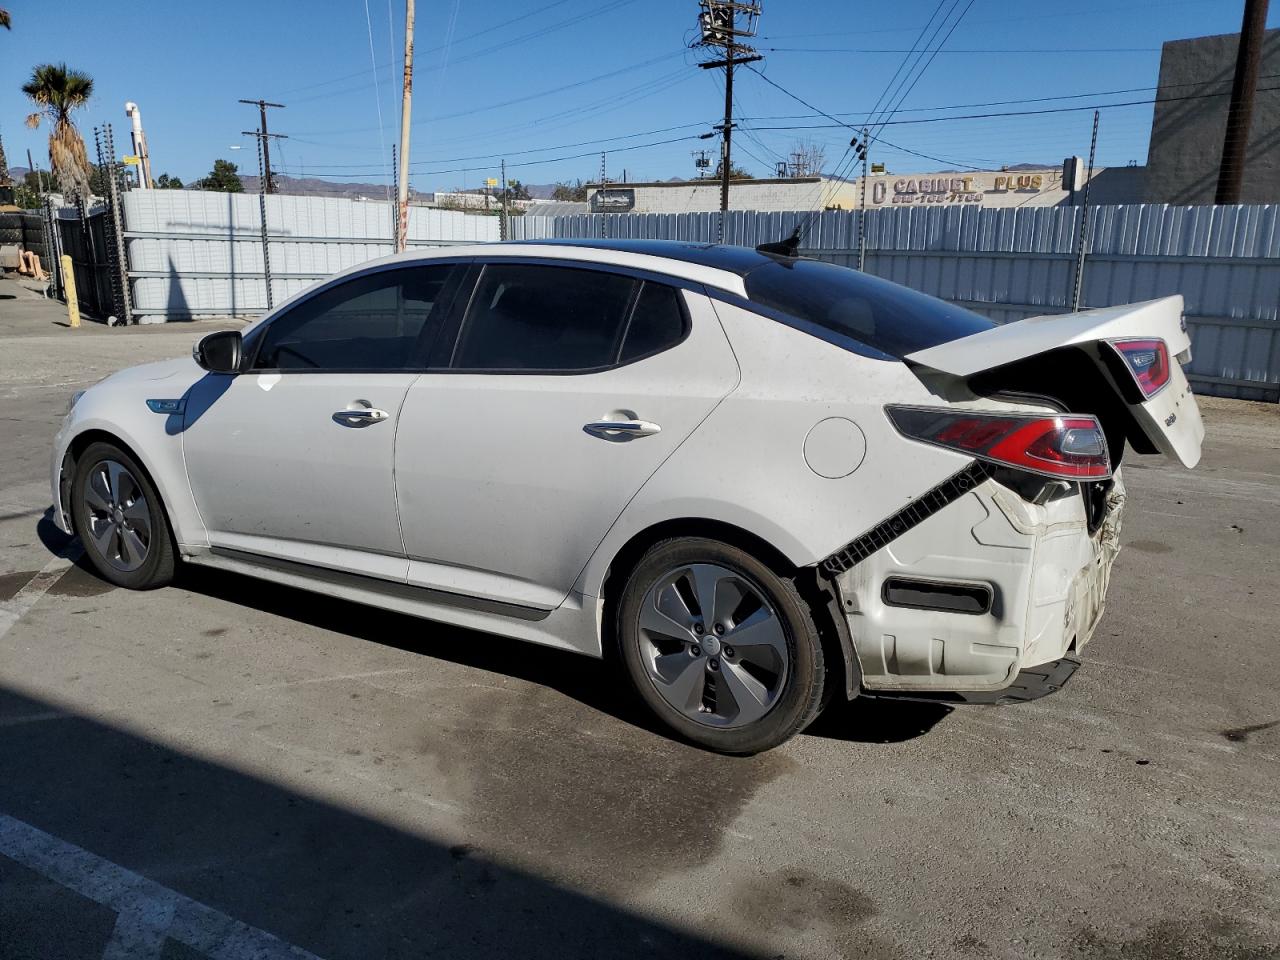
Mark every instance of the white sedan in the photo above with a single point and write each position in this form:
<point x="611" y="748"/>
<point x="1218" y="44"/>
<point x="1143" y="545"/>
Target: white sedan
<point x="761" y="481"/>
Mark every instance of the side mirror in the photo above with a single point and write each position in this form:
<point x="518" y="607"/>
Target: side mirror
<point x="219" y="352"/>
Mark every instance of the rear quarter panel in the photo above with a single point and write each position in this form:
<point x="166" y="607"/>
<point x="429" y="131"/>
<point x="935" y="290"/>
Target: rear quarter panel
<point x="746" y="464"/>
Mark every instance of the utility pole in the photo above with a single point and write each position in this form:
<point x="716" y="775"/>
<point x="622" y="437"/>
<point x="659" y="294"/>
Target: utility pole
<point x="1077" y="286"/>
<point x="864" y="147"/>
<point x="406" y="108"/>
<point x="39" y="176"/>
<point x="721" y="23"/>
<point x="264" y="147"/>
<point x="504" y="233"/>
<point x="394" y="211"/>
<point x="1240" y="113"/>
<point x="265" y="186"/>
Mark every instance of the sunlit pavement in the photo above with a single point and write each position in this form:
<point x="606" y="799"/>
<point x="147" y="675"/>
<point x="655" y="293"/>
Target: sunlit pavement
<point x="226" y="768"/>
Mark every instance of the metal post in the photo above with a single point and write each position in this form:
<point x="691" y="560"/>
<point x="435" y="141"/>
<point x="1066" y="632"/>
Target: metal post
<point x="262" y="224"/>
<point x="115" y="243"/>
<point x="1078" y="284"/>
<point x="504" y="228"/>
<point x="1240" y="114"/>
<point x="862" y="206"/>
<point x="394" y="211"/>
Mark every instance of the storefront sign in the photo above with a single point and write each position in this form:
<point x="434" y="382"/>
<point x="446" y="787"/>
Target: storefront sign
<point x="968" y="188"/>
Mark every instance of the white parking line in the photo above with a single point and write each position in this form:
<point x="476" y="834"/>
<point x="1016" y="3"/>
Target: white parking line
<point x="16" y="607"/>
<point x="148" y="912"/>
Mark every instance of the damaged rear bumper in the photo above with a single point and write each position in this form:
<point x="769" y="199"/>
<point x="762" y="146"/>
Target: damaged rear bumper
<point x="980" y="591"/>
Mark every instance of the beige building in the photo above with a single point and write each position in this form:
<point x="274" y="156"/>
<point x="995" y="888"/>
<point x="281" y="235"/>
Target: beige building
<point x="1040" y="187"/>
<point x="995" y="188"/>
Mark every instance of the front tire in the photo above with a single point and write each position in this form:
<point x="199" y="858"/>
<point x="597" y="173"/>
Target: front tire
<point x="721" y="648"/>
<point x="120" y="519"/>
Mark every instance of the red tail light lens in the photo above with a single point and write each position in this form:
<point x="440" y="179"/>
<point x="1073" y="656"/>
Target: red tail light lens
<point x="1069" y="447"/>
<point x="1148" y="361"/>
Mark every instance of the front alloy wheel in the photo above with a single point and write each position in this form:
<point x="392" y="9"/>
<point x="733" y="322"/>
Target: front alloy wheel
<point x="119" y="520"/>
<point x="118" y="514"/>
<point x="722" y="648"/>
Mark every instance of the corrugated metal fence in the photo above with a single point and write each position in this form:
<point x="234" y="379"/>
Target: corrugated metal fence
<point x="193" y="253"/>
<point x="1015" y="263"/>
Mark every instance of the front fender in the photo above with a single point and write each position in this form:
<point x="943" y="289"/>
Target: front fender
<point x="149" y="437"/>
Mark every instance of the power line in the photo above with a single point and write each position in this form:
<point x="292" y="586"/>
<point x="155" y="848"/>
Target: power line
<point x="1020" y="113"/>
<point x="533" y="96"/>
<point x="503" y="24"/>
<point x="976" y="50"/>
<point x="1001" y="103"/>
<point x="515" y="153"/>
<point x="526" y="163"/>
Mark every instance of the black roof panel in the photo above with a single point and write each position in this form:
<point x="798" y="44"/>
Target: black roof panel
<point x="739" y="260"/>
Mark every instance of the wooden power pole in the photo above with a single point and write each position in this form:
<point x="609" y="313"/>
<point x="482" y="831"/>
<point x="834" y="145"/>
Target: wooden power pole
<point x="264" y="138"/>
<point x="1240" y="113"/>
<point x="721" y="23"/>
<point x="406" y="108"/>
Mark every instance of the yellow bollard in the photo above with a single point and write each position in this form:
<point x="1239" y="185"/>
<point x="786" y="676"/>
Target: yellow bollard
<point x="69" y="285"/>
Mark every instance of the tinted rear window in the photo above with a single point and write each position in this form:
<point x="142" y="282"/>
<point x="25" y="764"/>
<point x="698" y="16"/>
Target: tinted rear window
<point x="875" y="312"/>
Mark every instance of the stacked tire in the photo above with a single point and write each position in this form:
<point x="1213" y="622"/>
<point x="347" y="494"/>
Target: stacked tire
<point x="12" y="230"/>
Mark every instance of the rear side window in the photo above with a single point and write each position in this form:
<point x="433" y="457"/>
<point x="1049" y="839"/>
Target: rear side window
<point x="885" y="316"/>
<point x="376" y="321"/>
<point x="535" y="317"/>
<point x="657" y="322"/>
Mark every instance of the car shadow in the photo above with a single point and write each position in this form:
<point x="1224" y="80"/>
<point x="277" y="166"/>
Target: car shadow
<point x="598" y="684"/>
<point x="84" y="801"/>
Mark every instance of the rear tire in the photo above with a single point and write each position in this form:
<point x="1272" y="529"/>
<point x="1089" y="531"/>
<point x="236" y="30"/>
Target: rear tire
<point x="120" y="519"/>
<point x="721" y="648"/>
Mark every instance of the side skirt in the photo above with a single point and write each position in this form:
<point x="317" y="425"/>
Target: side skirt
<point x="572" y="626"/>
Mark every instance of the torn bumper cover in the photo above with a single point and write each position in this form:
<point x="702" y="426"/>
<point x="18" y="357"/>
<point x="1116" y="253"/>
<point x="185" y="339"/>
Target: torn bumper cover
<point x="971" y="584"/>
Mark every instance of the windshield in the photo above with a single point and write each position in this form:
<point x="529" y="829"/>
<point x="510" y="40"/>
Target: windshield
<point x="883" y="315"/>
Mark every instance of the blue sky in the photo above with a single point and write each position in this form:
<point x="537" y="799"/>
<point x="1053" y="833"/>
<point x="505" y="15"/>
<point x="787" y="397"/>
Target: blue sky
<point x="532" y="79"/>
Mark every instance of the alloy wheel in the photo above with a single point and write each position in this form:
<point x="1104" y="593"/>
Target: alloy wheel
<point x="119" y="519"/>
<point x="713" y="646"/>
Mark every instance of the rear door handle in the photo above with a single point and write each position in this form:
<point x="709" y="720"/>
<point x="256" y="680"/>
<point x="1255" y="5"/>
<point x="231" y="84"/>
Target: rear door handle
<point x="360" y="413"/>
<point x="618" y="430"/>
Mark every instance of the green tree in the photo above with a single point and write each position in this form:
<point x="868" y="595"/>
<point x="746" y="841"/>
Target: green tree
<point x="517" y="190"/>
<point x="5" y="21"/>
<point x="735" y="173"/>
<point x="56" y="91"/>
<point x="223" y="178"/>
<point x="166" y="182"/>
<point x="570" y="192"/>
<point x="25" y="197"/>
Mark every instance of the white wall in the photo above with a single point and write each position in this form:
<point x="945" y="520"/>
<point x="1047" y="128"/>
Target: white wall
<point x="196" y="253"/>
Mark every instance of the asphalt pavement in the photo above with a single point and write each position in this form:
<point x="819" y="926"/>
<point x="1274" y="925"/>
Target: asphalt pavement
<point x="227" y="768"/>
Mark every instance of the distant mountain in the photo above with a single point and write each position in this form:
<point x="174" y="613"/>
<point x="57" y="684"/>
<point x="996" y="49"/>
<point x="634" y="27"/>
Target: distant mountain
<point x="315" y="187"/>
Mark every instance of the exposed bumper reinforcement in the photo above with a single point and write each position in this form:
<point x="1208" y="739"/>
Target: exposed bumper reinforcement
<point x="1030" y="684"/>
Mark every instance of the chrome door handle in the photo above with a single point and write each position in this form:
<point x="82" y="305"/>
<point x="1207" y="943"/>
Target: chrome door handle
<point x="616" y="430"/>
<point x="361" y="413"/>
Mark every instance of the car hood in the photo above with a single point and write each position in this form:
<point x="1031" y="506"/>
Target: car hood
<point x="183" y="371"/>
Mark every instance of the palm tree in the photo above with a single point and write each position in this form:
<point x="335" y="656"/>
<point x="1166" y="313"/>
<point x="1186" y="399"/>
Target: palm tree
<point x="57" y="91"/>
<point x="4" y="19"/>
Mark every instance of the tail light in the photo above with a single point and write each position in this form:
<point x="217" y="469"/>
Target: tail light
<point x="1068" y="447"/>
<point x="1148" y="361"/>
